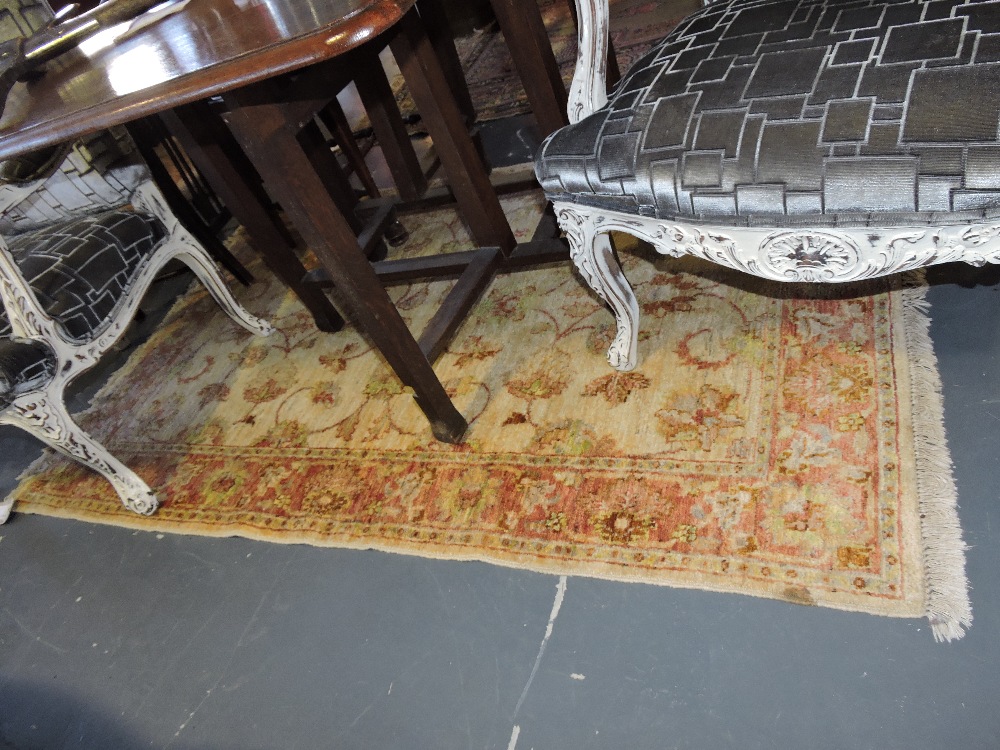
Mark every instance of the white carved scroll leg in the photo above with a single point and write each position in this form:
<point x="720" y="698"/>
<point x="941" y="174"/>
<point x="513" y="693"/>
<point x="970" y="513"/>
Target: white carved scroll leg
<point x="205" y="270"/>
<point x="617" y="292"/>
<point x="188" y="250"/>
<point x="595" y="259"/>
<point x="44" y="415"/>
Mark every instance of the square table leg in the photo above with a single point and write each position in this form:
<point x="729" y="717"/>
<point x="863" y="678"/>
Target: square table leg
<point x="379" y="102"/>
<point x="193" y="126"/>
<point x="467" y="175"/>
<point x="259" y="122"/>
<point x="528" y="41"/>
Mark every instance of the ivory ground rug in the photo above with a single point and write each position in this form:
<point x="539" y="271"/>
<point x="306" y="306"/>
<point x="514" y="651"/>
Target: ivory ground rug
<point x="770" y="442"/>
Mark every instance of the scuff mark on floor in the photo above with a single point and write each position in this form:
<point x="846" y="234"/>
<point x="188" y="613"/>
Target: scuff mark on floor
<point x="556" y="604"/>
<point x="513" y="737"/>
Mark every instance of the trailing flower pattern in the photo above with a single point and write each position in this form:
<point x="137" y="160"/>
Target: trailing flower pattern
<point x="754" y="448"/>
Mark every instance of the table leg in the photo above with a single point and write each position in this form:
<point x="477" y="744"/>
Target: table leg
<point x="145" y="134"/>
<point x="528" y="41"/>
<point x="259" y="123"/>
<point x="251" y="207"/>
<point x="436" y="24"/>
<point x="438" y="28"/>
<point x="467" y="175"/>
<point x="390" y="131"/>
<point x="335" y="120"/>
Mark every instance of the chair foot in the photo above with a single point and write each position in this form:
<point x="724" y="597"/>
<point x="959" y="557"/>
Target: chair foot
<point x="139" y="500"/>
<point x="594" y="257"/>
<point x="44" y="415"/>
<point x="209" y="275"/>
<point x="611" y="284"/>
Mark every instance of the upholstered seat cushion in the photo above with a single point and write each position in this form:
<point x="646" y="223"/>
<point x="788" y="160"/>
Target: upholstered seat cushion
<point x="80" y="270"/>
<point x="31" y="166"/>
<point x="98" y="172"/>
<point x="783" y="112"/>
<point x="24" y="366"/>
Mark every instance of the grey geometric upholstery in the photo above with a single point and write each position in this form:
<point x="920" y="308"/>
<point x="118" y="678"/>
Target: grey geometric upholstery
<point x="95" y="173"/>
<point x="84" y="233"/>
<point x="32" y="166"/>
<point x="80" y="270"/>
<point x="24" y="366"/>
<point x="794" y="112"/>
<point x="23" y="17"/>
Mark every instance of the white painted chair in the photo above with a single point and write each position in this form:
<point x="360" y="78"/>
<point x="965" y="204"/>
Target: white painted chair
<point x="791" y="139"/>
<point x="78" y="250"/>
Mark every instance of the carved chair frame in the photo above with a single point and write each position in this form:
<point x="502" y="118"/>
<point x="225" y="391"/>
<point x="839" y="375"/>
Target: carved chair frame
<point x="42" y="412"/>
<point x="820" y="255"/>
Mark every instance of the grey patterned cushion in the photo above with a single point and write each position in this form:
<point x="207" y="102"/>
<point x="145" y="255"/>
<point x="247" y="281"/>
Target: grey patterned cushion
<point x="780" y="112"/>
<point x="34" y="165"/>
<point x="22" y="17"/>
<point x="98" y="172"/>
<point x="80" y="270"/>
<point x="24" y="366"/>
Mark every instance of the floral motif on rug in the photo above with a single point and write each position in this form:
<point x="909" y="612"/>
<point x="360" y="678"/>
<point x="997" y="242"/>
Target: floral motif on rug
<point x="765" y="444"/>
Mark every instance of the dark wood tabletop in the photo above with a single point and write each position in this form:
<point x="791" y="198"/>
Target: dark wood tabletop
<point x="241" y="50"/>
<point x="208" y="48"/>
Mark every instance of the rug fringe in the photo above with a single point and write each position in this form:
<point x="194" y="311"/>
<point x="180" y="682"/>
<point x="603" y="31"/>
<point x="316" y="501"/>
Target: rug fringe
<point x="946" y="586"/>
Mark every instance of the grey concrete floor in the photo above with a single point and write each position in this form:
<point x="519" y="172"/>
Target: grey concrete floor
<point x="111" y="638"/>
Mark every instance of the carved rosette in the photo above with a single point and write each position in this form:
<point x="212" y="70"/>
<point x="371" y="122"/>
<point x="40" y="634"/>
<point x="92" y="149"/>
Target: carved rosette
<point x="810" y="256"/>
<point x="789" y="255"/>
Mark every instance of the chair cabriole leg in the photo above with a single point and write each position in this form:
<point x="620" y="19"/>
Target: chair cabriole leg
<point x="209" y="275"/>
<point x="595" y="259"/>
<point x="44" y="415"/>
<point x="190" y="252"/>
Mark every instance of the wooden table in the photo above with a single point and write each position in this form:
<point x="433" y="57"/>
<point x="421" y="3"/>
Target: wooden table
<point x="531" y="50"/>
<point x="244" y="50"/>
<point x="525" y="35"/>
